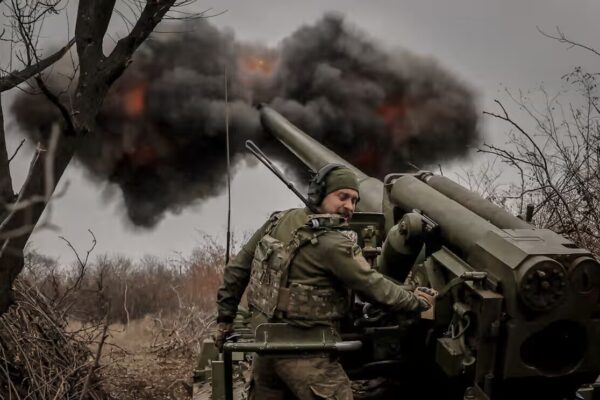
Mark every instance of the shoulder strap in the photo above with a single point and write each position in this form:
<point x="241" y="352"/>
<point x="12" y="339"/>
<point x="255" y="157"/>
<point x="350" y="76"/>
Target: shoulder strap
<point x="274" y="219"/>
<point x="333" y="221"/>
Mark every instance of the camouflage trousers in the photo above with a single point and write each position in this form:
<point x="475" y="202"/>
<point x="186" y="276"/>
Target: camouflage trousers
<point x="306" y="378"/>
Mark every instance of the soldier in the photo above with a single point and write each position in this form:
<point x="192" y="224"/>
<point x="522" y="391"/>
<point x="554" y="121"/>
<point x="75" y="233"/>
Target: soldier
<point x="298" y="268"/>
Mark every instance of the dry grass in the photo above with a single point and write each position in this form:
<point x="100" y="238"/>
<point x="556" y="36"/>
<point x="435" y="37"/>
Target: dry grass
<point x="136" y="364"/>
<point x="132" y="369"/>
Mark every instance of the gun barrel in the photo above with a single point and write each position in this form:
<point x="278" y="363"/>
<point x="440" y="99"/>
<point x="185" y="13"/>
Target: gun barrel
<point x="314" y="155"/>
<point x="461" y="227"/>
<point x="482" y="207"/>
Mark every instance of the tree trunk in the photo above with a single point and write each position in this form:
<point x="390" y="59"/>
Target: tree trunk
<point x="6" y="189"/>
<point x="11" y="259"/>
<point x="8" y="263"/>
<point x="97" y="73"/>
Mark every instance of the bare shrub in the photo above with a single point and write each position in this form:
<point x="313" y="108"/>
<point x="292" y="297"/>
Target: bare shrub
<point x="42" y="272"/>
<point x="204" y="274"/>
<point x="197" y="281"/>
<point x="177" y="296"/>
<point x="39" y="359"/>
<point x="557" y="160"/>
<point x="127" y="289"/>
<point x="181" y="333"/>
<point x="553" y="149"/>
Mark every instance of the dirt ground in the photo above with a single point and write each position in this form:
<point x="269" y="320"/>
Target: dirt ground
<point x="143" y="375"/>
<point x="132" y="369"/>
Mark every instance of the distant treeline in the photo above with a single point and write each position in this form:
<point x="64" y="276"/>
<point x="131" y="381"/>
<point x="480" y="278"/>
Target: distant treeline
<point x="128" y="289"/>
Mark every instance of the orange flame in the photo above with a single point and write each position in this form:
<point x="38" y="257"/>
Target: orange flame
<point x="134" y="100"/>
<point x="257" y="64"/>
<point x="392" y="113"/>
<point x="395" y="115"/>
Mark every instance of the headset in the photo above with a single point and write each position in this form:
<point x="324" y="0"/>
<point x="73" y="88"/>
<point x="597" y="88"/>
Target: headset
<point x="317" y="185"/>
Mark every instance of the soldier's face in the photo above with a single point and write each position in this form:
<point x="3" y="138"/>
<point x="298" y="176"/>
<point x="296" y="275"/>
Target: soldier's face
<point x="342" y="201"/>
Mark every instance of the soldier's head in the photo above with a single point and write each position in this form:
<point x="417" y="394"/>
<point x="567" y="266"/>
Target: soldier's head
<point x="334" y="190"/>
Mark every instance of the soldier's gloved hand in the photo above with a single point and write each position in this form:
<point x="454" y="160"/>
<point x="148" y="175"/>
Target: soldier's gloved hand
<point x="426" y="297"/>
<point x="223" y="330"/>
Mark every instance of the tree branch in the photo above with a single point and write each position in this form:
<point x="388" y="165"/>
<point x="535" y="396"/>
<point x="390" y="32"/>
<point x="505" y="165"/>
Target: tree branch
<point x="97" y="71"/>
<point x="93" y="17"/>
<point x="70" y="128"/>
<point x="46" y="168"/>
<point x="506" y="118"/>
<point x="16" y="78"/>
<point x="16" y="151"/>
<point x="82" y="266"/>
<point x="150" y="17"/>
<point x="561" y="38"/>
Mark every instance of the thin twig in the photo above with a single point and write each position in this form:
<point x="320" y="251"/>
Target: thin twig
<point x="96" y="363"/>
<point x="16" y="151"/>
<point x="561" y="38"/>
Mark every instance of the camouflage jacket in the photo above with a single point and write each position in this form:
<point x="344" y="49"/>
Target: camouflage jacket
<point x="335" y="261"/>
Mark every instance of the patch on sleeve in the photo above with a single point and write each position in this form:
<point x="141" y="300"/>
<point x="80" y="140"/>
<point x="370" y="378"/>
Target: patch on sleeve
<point x="350" y="234"/>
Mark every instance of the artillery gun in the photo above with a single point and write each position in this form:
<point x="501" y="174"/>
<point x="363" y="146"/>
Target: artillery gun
<point x="518" y="311"/>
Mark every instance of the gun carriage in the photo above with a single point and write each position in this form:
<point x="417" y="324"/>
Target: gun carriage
<point x="518" y="311"/>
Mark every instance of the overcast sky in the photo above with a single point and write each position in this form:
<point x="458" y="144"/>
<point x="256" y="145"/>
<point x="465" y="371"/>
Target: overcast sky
<point x="491" y="44"/>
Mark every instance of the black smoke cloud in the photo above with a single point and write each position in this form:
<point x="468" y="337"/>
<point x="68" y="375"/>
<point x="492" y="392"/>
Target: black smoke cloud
<point x="162" y="128"/>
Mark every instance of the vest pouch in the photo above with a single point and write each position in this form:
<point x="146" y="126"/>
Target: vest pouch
<point x="315" y="303"/>
<point x="269" y="270"/>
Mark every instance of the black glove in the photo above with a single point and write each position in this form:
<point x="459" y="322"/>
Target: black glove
<point x="223" y="330"/>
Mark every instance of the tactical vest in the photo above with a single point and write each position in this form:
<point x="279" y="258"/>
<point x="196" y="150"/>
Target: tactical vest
<point x="269" y="291"/>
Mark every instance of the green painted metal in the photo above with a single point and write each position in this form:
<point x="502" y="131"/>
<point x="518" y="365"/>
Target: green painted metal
<point x="519" y="310"/>
<point x="219" y="384"/>
<point x="280" y="338"/>
<point x="314" y="155"/>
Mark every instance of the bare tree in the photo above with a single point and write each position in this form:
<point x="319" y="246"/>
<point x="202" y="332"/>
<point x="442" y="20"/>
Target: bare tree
<point x="558" y="159"/>
<point x="96" y="73"/>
